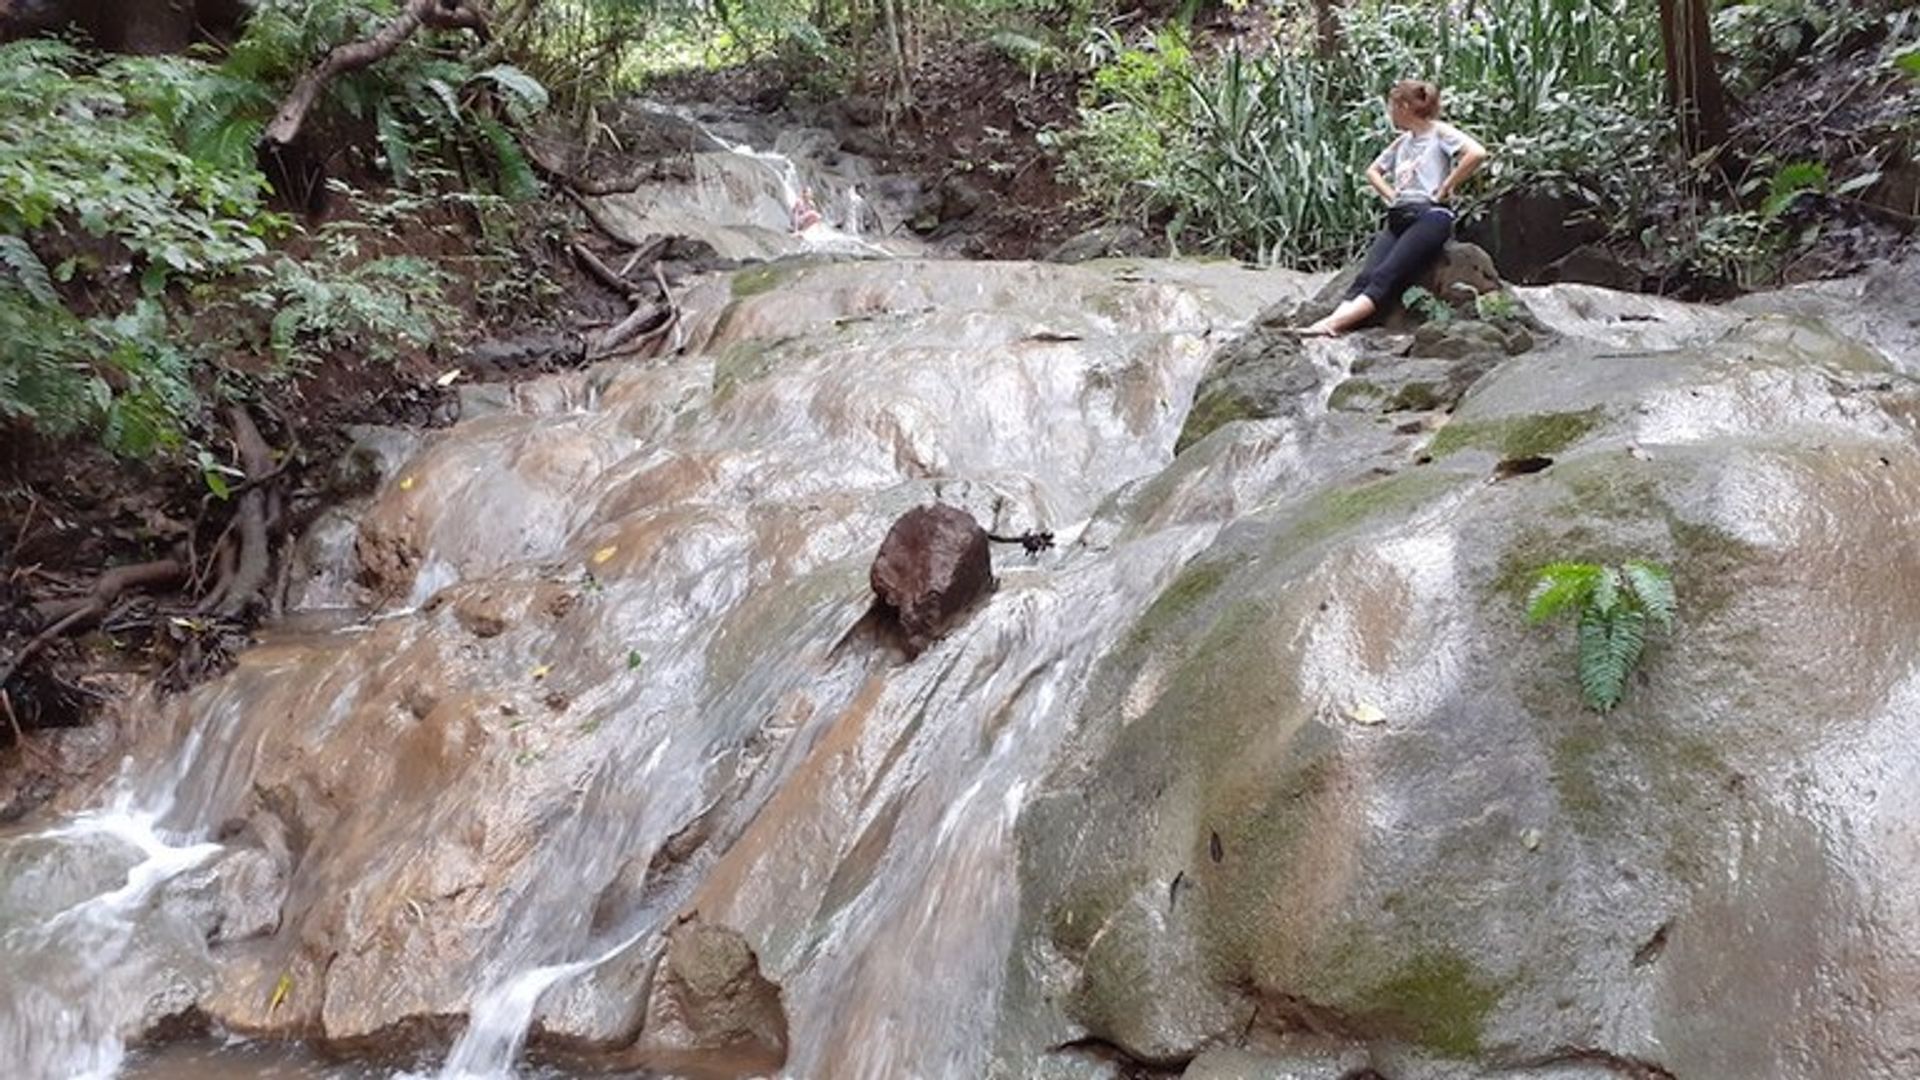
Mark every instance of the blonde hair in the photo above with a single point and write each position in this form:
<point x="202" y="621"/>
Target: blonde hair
<point x="1419" y="97"/>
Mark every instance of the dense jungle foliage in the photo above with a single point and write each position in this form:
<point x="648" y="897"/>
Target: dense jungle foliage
<point x="149" y="267"/>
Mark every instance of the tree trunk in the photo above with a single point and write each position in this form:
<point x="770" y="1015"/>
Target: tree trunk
<point x="1326" y="24"/>
<point x="1693" y="81"/>
<point x="900" y="97"/>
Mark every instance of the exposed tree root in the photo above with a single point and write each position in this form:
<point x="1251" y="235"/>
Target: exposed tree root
<point x="19" y="736"/>
<point x="241" y="584"/>
<point x="648" y="322"/>
<point x="232" y="579"/>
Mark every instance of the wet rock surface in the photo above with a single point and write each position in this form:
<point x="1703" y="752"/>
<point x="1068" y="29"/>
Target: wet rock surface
<point x="1337" y="783"/>
<point x="711" y="1009"/>
<point x="1259" y="772"/>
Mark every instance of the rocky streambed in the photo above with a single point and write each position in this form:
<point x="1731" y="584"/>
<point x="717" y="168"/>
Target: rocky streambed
<point x="578" y="757"/>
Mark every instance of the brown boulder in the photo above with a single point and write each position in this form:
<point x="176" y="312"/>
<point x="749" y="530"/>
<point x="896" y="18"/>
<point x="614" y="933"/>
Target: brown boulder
<point x="710" y="1009"/>
<point x="932" y="567"/>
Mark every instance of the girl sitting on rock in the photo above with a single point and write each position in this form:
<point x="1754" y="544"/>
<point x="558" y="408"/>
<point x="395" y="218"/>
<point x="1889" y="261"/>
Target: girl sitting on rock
<point x="1416" y="174"/>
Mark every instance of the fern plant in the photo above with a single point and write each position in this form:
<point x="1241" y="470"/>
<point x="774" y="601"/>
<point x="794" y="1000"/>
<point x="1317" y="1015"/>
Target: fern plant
<point x="1615" y="605"/>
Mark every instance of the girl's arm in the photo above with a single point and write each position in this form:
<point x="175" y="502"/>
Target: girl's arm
<point x="1472" y="156"/>
<point x="1379" y="182"/>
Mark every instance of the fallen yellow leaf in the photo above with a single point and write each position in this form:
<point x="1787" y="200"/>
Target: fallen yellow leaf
<point x="605" y="553"/>
<point x="1365" y="712"/>
<point x="541" y="671"/>
<point x="406" y="483"/>
<point x="280" y="991"/>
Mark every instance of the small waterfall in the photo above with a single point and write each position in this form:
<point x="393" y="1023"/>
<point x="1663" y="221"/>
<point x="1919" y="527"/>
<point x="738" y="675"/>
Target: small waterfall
<point x="498" y="1025"/>
<point x="856" y="211"/>
<point x="562" y="738"/>
<point x="71" y="1021"/>
<point x="795" y="190"/>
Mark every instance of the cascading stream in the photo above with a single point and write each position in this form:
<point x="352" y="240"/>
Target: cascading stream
<point x="622" y="681"/>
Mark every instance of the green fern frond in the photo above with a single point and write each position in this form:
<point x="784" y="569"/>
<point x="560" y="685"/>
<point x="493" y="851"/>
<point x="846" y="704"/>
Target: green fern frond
<point x="516" y="175"/>
<point x="525" y="94"/>
<point x="1652" y="586"/>
<point x="27" y="267"/>
<point x="1599" y="683"/>
<point x="1609" y="648"/>
<point x="1606" y="590"/>
<point x="1559" y="586"/>
<point x="395" y="142"/>
<point x="1615" y="604"/>
<point x="449" y="100"/>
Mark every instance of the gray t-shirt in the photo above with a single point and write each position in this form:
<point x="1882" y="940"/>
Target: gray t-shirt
<point x="1416" y="165"/>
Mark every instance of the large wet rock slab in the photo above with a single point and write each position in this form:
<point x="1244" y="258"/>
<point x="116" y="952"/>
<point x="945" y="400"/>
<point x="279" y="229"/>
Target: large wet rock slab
<point x="605" y="642"/>
<point x="1334" y="788"/>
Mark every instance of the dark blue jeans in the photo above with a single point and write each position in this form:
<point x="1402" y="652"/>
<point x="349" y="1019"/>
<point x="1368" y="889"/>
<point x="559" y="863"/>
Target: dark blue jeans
<point x="1412" y="240"/>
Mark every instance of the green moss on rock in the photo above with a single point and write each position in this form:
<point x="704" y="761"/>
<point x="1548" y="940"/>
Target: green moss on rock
<point x="1212" y="412"/>
<point x="1336" y="511"/>
<point x="1437" y="999"/>
<point x="1194" y="585"/>
<point x="1518" y="436"/>
<point x="755" y="280"/>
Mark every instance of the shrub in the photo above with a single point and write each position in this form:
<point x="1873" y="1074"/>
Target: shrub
<point x="1262" y="155"/>
<point x="147" y="164"/>
<point x="88" y="149"/>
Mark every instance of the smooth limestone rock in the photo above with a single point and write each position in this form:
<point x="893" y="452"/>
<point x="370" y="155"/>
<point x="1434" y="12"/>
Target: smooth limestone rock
<point x="601" y="683"/>
<point x="1264" y="751"/>
<point x="1333" y="781"/>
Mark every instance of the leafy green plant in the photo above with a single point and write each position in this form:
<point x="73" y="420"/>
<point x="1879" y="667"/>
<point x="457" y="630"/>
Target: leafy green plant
<point x="1789" y="181"/>
<point x="1614" y="605"/>
<point x="380" y="306"/>
<point x="1423" y="303"/>
<point x="1908" y="63"/>
<point x="91" y="161"/>
<point x="1034" y="55"/>
<point x="1262" y="155"/>
<point x="1759" y="39"/>
<point x="1496" y="306"/>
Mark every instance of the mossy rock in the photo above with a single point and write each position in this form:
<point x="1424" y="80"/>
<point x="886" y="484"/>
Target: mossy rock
<point x="1258" y="377"/>
<point x="1537" y="435"/>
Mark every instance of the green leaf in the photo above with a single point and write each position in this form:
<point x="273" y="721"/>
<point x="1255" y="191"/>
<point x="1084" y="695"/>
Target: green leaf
<point x="217" y="484"/>
<point x="1559" y="586"/>
<point x="516" y="175"/>
<point x="1789" y="181"/>
<point x="1606" y="591"/>
<point x="447" y="97"/>
<point x="27" y="267"/>
<point x="394" y="142"/>
<point x="1652" y="585"/>
<point x="525" y="95"/>
<point x="634" y="659"/>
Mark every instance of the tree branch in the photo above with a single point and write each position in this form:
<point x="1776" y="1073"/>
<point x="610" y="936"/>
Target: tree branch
<point x="354" y="55"/>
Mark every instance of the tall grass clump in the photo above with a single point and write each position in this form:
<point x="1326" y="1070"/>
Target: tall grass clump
<point x="1262" y="155"/>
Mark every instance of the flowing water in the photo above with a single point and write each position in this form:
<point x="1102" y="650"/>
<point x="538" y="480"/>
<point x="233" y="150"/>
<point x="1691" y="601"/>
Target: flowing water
<point x="742" y="506"/>
<point x="618" y="686"/>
